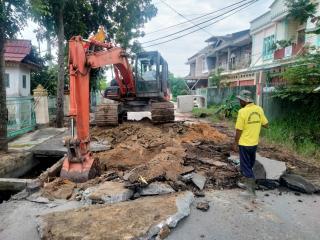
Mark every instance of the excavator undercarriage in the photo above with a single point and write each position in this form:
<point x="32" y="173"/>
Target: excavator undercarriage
<point x="112" y="114"/>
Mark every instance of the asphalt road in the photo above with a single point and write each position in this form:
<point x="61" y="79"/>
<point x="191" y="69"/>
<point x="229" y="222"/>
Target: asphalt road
<point x="274" y="216"/>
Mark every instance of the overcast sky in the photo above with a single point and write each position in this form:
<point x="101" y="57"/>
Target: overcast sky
<point x="177" y="52"/>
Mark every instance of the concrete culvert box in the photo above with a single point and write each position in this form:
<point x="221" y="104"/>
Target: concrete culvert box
<point x="185" y="103"/>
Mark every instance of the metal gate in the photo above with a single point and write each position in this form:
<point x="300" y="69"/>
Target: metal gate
<point x="21" y="115"/>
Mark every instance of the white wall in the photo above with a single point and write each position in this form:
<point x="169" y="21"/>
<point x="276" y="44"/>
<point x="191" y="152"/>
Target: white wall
<point x="257" y="45"/>
<point x="15" y="77"/>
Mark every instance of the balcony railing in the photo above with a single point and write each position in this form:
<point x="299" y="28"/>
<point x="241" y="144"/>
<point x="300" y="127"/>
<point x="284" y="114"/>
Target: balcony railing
<point x="289" y="51"/>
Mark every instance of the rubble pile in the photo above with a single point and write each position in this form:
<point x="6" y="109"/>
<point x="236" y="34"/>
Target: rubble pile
<point x="144" y="153"/>
<point x="212" y="160"/>
<point x="146" y="183"/>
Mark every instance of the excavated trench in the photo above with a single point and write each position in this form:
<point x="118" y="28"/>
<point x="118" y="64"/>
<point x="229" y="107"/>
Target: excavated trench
<point x="35" y="165"/>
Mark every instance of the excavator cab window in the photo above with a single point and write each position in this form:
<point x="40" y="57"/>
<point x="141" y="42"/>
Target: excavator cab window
<point x="147" y="74"/>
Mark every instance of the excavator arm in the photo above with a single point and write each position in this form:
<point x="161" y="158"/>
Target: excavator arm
<point x="79" y="164"/>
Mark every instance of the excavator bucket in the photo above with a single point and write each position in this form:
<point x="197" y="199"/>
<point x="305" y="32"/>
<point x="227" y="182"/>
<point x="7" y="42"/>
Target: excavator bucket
<point x="80" y="172"/>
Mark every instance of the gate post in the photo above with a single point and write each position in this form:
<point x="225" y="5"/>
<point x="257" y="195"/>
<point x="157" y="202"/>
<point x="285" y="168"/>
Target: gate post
<point x="41" y="105"/>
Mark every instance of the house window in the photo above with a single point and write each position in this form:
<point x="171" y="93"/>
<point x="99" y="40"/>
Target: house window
<point x="204" y="65"/>
<point x="232" y="61"/>
<point x="24" y="81"/>
<point x="7" y="80"/>
<point x="268" y="47"/>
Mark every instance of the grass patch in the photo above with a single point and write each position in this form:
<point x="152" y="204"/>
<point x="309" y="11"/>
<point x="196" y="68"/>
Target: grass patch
<point x="299" y="134"/>
<point x="209" y="112"/>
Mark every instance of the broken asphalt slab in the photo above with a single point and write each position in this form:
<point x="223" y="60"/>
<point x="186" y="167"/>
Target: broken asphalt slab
<point x="156" y="188"/>
<point x="274" y="169"/>
<point x="265" y="168"/>
<point x="298" y="183"/>
<point x="107" y="192"/>
<point x="199" y="180"/>
<point x="139" y="219"/>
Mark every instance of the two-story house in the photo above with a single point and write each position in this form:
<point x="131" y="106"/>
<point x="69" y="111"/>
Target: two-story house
<point x="277" y="41"/>
<point x="227" y="55"/>
<point x="18" y="65"/>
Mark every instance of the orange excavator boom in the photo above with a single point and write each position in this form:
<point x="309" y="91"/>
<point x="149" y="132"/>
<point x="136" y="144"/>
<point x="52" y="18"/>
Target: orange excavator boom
<point x="79" y="164"/>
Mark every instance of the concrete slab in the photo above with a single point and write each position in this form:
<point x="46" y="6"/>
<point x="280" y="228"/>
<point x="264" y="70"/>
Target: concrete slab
<point x="18" y="218"/>
<point x="156" y="188"/>
<point x="107" y="192"/>
<point x="139" y="219"/>
<point x="199" y="180"/>
<point x="274" y="169"/>
<point x="16" y="164"/>
<point x="54" y="146"/>
<point x="137" y="116"/>
<point x="30" y="140"/>
<point x="265" y="168"/>
<point x="13" y="184"/>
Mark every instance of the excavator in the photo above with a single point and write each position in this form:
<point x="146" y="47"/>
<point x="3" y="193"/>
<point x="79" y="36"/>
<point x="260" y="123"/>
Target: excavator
<point x="142" y="88"/>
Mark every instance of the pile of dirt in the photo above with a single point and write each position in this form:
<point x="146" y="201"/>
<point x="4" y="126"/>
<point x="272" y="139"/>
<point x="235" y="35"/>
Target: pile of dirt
<point x="144" y="153"/>
<point x="136" y="143"/>
<point x="58" y="189"/>
<point x="203" y="131"/>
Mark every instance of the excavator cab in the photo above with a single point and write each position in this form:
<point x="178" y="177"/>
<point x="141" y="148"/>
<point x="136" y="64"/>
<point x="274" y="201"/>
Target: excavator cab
<point x="151" y="75"/>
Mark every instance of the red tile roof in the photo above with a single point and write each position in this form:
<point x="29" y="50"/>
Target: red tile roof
<point x="16" y="50"/>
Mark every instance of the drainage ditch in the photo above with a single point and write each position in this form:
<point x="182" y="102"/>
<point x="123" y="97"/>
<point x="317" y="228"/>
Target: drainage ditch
<point x="40" y="163"/>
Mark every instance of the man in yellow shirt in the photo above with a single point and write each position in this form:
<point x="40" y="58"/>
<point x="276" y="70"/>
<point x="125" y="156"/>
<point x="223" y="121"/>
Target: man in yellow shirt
<point x="250" y="119"/>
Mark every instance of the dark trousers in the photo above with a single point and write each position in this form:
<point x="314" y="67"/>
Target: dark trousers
<point x="247" y="160"/>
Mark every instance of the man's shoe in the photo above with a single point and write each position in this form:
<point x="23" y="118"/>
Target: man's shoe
<point x="250" y="188"/>
<point x="242" y="184"/>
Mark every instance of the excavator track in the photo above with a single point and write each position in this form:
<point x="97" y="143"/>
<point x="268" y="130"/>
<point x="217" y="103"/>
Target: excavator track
<point x="107" y="115"/>
<point x="162" y="112"/>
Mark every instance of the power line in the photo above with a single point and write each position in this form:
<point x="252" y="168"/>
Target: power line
<point x="181" y="15"/>
<point x="186" y="29"/>
<point x="204" y="26"/>
<point x="196" y="18"/>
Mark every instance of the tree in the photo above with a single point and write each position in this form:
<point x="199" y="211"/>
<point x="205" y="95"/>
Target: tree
<point x="302" y="78"/>
<point x="301" y="10"/>
<point x="47" y="77"/>
<point x="12" y="19"/>
<point x="123" y="20"/>
<point x="215" y="78"/>
<point x="177" y="86"/>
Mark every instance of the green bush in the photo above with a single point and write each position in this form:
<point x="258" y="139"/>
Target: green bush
<point x="229" y="108"/>
<point x="298" y="132"/>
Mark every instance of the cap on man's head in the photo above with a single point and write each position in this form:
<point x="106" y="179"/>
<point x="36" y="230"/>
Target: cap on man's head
<point x="246" y="96"/>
